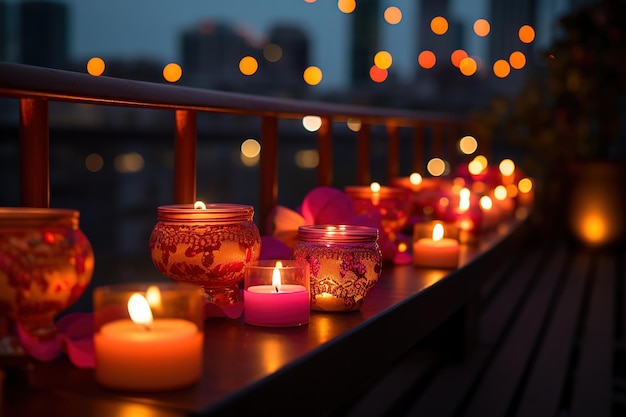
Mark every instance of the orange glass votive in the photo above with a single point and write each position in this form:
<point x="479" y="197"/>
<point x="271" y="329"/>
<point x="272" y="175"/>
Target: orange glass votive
<point x="148" y="337"/>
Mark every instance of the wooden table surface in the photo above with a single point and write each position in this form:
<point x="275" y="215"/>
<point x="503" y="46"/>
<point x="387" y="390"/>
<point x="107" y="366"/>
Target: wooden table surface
<point x="262" y="371"/>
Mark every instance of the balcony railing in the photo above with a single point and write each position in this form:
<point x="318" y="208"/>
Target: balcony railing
<point x="36" y="87"/>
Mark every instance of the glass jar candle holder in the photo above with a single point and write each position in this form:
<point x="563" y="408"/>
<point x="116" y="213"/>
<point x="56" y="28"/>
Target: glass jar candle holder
<point x="391" y="203"/>
<point x="148" y="336"/>
<point x="276" y="293"/>
<point x="345" y="263"/>
<point x="46" y="263"/>
<point x="436" y="245"/>
<point x="208" y="246"/>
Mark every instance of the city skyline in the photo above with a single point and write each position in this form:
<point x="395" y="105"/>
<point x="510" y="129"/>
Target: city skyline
<point x="148" y="29"/>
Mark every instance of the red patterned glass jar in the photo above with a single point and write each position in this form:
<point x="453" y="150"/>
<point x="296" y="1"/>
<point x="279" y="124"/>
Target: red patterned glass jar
<point x="345" y="263"/>
<point x="46" y="263"/>
<point x="208" y="246"/>
<point x="391" y="203"/>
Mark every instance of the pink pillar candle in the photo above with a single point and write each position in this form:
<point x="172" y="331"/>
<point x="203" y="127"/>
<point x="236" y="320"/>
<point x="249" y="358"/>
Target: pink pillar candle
<point x="276" y="294"/>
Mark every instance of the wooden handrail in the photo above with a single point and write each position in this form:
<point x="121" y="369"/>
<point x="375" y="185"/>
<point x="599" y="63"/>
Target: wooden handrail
<point x="36" y="86"/>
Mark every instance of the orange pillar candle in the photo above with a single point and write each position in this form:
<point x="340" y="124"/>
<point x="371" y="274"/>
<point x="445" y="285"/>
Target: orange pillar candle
<point x="146" y="352"/>
<point x="436" y="252"/>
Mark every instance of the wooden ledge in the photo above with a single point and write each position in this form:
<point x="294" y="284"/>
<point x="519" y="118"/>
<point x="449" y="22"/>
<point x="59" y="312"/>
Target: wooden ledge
<point x="277" y="371"/>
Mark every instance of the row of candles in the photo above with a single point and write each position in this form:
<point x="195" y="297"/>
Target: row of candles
<point x="283" y="292"/>
<point x="210" y="250"/>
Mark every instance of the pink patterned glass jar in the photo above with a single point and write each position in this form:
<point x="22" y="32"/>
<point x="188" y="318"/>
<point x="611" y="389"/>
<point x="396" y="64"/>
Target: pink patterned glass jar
<point x="345" y="263"/>
<point x="46" y="263"/>
<point x="208" y="246"/>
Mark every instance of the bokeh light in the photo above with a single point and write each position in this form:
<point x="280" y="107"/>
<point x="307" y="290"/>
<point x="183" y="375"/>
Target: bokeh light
<point x="383" y="59"/>
<point x="94" y="162"/>
<point x="272" y="52"/>
<point x="392" y="15"/>
<point x="439" y="25"/>
<point x="482" y="27"/>
<point x="468" y="145"/>
<point x="312" y="123"/>
<point x="127" y="163"/>
<point x="501" y="68"/>
<point x="500" y="193"/>
<point x="457" y="56"/>
<point x="426" y="59"/>
<point x="250" y="148"/>
<point x="312" y="75"/>
<point x="378" y="74"/>
<point x="436" y="167"/>
<point x="506" y="167"/>
<point x="172" y="72"/>
<point x="346" y="6"/>
<point x="526" y="34"/>
<point x="468" y="66"/>
<point x="354" y="124"/>
<point x="95" y="66"/>
<point x="415" y="178"/>
<point x="485" y="202"/>
<point x="248" y="65"/>
<point x="307" y="159"/>
<point x="517" y="60"/>
<point x="375" y="187"/>
<point x="525" y="185"/>
<point x="250" y="152"/>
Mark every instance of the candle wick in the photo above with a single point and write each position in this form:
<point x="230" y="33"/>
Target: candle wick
<point x="276" y="288"/>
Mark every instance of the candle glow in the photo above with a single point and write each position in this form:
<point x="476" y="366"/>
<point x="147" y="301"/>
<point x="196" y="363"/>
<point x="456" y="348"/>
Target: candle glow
<point x="199" y="205"/>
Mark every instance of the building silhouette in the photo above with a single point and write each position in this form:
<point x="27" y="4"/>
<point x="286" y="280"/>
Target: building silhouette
<point x="43" y="29"/>
<point x="365" y="39"/>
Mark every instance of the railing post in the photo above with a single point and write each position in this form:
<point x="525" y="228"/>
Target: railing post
<point x="418" y="149"/>
<point x="268" y="181"/>
<point x="393" y="151"/>
<point x="363" y="155"/>
<point x="437" y="138"/>
<point x="185" y="157"/>
<point x="453" y="137"/>
<point x="34" y="153"/>
<point x="325" y="150"/>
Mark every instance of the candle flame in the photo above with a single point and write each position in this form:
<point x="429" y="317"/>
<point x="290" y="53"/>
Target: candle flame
<point x="139" y="311"/>
<point x="153" y="296"/>
<point x="415" y="178"/>
<point x="199" y="205"/>
<point x="464" y="199"/>
<point x="276" y="276"/>
<point x="486" y="203"/>
<point x="375" y="187"/>
<point x="438" y="232"/>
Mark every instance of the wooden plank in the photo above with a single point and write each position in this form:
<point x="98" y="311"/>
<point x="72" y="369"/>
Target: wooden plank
<point x="446" y="393"/>
<point x="547" y="377"/>
<point x="392" y="390"/>
<point x="592" y="386"/>
<point x="497" y="388"/>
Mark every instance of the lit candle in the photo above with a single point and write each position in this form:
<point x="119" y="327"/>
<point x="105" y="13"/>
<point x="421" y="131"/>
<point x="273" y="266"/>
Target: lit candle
<point x="277" y="304"/>
<point x="436" y="252"/>
<point x="144" y="353"/>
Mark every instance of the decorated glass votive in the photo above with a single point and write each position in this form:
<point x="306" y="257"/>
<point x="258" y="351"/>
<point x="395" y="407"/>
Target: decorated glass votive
<point x="276" y="293"/>
<point x="345" y="263"/>
<point x="208" y="246"/>
<point x="148" y="336"/>
<point x="46" y="263"/>
<point x="391" y="203"/>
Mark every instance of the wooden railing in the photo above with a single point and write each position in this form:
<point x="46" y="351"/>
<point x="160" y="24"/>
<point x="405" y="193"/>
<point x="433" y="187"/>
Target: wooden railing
<point x="35" y="87"/>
